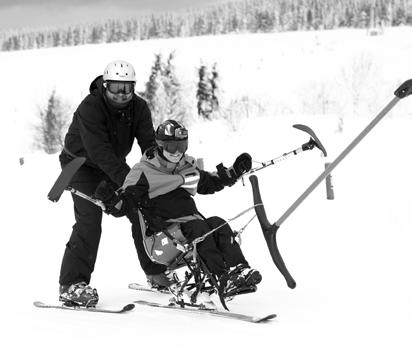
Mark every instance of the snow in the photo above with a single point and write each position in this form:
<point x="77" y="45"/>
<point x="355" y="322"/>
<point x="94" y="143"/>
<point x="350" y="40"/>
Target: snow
<point x="350" y="256"/>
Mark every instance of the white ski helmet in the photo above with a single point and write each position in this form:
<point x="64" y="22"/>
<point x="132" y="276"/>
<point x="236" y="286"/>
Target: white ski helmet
<point x="119" y="71"/>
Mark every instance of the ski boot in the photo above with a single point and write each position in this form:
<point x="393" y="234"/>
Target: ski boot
<point x="79" y="294"/>
<point x="251" y="277"/>
<point x="229" y="283"/>
<point x="241" y="279"/>
<point x="161" y="281"/>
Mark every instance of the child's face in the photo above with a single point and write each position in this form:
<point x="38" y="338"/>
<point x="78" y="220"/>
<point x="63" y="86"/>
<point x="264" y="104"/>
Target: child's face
<point x="173" y="157"/>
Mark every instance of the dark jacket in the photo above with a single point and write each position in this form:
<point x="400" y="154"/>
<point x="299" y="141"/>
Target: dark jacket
<point x="165" y="191"/>
<point x="105" y="135"/>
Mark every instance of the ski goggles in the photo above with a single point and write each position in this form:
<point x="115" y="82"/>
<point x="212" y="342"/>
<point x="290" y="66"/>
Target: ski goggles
<point x="174" y="146"/>
<point x="119" y="87"/>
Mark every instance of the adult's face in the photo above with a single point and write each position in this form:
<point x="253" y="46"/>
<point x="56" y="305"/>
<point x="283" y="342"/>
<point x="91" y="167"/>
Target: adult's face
<point x="119" y="93"/>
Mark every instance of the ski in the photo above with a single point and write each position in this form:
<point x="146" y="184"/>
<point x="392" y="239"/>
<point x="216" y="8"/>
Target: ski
<point x="126" y="308"/>
<point x="314" y="141"/>
<point x="143" y="288"/>
<point x="64" y="178"/>
<point x="223" y="314"/>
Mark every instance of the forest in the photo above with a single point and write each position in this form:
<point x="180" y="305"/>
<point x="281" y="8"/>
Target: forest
<point x="244" y="16"/>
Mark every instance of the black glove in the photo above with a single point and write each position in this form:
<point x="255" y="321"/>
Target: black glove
<point x="229" y="176"/>
<point x="106" y="192"/>
<point x="137" y="199"/>
<point x="243" y="164"/>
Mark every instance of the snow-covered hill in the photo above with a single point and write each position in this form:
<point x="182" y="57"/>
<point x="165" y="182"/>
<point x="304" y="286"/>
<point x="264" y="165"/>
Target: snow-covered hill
<point x="350" y="256"/>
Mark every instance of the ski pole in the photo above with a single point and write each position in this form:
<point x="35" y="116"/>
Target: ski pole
<point x="87" y="197"/>
<point x="311" y="144"/>
<point x="404" y="90"/>
<point x="307" y="146"/>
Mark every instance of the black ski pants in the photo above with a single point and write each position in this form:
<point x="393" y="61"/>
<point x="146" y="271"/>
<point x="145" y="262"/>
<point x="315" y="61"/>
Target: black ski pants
<point x="81" y="250"/>
<point x="219" y="250"/>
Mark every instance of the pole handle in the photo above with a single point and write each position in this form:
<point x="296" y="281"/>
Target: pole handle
<point x="404" y="90"/>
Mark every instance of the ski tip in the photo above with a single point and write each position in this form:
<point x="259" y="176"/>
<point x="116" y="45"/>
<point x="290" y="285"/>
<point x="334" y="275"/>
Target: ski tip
<point x="136" y="286"/>
<point x="38" y="304"/>
<point x="128" y="307"/>
<point x="265" y="318"/>
<point x="310" y="132"/>
<point x="291" y="283"/>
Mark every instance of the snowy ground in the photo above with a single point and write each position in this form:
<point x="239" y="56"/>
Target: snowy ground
<point x="350" y="256"/>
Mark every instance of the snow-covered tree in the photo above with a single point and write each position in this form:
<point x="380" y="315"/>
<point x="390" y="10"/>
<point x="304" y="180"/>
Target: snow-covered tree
<point x="153" y="89"/>
<point x="163" y="91"/>
<point x="228" y="17"/>
<point x="50" y="131"/>
<point x="207" y="89"/>
<point x="175" y="109"/>
<point x="204" y="93"/>
<point x="214" y="81"/>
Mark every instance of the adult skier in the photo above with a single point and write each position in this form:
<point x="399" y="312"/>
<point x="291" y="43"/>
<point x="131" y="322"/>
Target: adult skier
<point x="103" y="130"/>
<point x="162" y="186"/>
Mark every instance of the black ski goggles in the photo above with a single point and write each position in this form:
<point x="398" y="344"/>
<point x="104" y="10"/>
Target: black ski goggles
<point x="174" y="146"/>
<point x="120" y="87"/>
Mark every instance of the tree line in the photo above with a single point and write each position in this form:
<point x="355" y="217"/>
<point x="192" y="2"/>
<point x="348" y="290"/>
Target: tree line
<point x="231" y="17"/>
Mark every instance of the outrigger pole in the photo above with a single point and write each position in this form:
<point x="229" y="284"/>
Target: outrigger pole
<point x="312" y="143"/>
<point x="270" y="230"/>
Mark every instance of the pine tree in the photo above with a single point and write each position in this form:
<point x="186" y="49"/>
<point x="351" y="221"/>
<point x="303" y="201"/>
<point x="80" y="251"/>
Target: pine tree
<point x="204" y="93"/>
<point x="50" y="130"/>
<point x="154" y="91"/>
<point x="163" y="92"/>
<point x="214" y="80"/>
<point x="175" y="109"/>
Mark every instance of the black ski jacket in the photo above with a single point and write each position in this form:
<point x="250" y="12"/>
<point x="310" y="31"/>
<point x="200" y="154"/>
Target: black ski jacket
<point x="105" y="135"/>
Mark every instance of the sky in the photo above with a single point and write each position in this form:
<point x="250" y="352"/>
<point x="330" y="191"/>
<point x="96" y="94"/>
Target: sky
<point x="17" y="14"/>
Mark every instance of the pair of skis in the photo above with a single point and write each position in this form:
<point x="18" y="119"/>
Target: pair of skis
<point x="129" y="307"/>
